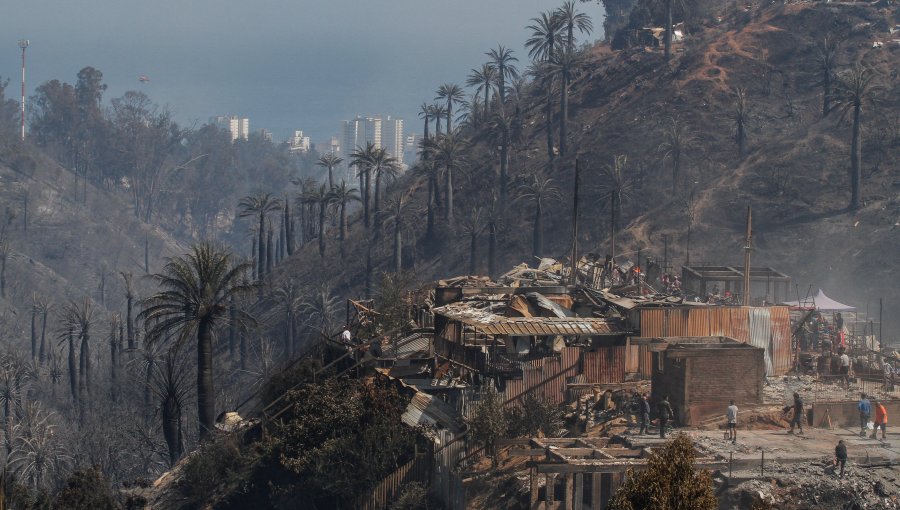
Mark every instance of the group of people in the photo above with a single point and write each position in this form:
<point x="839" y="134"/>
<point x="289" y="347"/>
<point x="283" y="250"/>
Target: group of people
<point x="866" y="408"/>
<point x="664" y="413"/>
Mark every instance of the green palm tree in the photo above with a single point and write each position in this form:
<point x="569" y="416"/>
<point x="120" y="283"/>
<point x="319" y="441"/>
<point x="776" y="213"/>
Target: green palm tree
<point x="452" y="93"/>
<point x="855" y="88"/>
<point x="438" y="112"/>
<point x="450" y="154"/>
<point x="541" y="191"/>
<point x="615" y="188"/>
<point x="260" y="205"/>
<point x="483" y="80"/>
<point x="330" y="161"/>
<point x="425" y="113"/>
<point x="504" y="69"/>
<point x="192" y="303"/>
<point x="343" y="195"/>
<point x="678" y="139"/>
<point x="572" y="20"/>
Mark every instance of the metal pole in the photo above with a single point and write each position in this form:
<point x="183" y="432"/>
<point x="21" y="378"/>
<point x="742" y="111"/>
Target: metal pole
<point x="762" y="464"/>
<point x="23" y="43"/>
<point x="880" y="320"/>
<point x="748" y="238"/>
<point x="665" y="253"/>
<point x="730" y="461"/>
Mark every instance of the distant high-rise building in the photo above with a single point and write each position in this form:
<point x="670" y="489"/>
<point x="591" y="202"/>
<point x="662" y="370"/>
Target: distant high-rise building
<point x="239" y="127"/>
<point x="298" y="142"/>
<point x="330" y="146"/>
<point x="411" y="147"/>
<point x="392" y="138"/>
<point x="353" y="134"/>
<point x="265" y="134"/>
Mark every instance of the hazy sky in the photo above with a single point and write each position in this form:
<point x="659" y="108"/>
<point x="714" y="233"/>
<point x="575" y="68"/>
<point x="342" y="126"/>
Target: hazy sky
<point x="284" y="64"/>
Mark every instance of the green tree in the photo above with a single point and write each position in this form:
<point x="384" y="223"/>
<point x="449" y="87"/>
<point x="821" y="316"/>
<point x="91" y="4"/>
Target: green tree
<point x="361" y="158"/>
<point x="572" y="20"/>
<point x="329" y="161"/>
<point x="260" y="205"/>
<point x="192" y="304"/>
<point x="450" y="153"/>
<point x="541" y="191"/>
<point x="546" y="38"/>
<point x="855" y="89"/>
<point x="565" y="64"/>
<point x="670" y="482"/>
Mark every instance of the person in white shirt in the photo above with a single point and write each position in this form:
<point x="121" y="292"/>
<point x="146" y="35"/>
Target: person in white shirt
<point x="731" y="414"/>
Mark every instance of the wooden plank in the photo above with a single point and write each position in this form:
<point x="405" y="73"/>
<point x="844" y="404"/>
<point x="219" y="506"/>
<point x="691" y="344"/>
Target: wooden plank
<point x="534" y="489"/>
<point x="604" y="467"/>
<point x="527" y="452"/>
<point x="595" y="491"/>
<point x="568" y="502"/>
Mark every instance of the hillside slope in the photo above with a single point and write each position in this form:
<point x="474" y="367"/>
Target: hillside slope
<point x="66" y="242"/>
<point x="794" y="170"/>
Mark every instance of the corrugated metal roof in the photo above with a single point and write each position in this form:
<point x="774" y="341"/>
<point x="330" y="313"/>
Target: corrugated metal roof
<point x="427" y="410"/>
<point x="415" y="345"/>
<point x="493" y="324"/>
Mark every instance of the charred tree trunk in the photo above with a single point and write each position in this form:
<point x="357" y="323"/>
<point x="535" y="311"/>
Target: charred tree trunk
<point x="322" y="206"/>
<point x="261" y="247"/>
<point x="269" y="251"/>
<point x="34" y="346"/>
<point x="538" y="235"/>
<point x="73" y="367"/>
<point x="171" y="418"/>
<point x="232" y="329"/>
<point x="668" y="36"/>
<point x="855" y="159"/>
<point x="492" y="249"/>
<point x="398" y="245"/>
<point x="548" y="112"/>
<point x="43" y="352"/>
<point x="206" y="397"/>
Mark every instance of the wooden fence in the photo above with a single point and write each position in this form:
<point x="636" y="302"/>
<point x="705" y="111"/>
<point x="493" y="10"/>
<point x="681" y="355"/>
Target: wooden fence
<point x="380" y="497"/>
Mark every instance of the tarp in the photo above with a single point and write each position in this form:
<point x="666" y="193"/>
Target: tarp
<point x="821" y="302"/>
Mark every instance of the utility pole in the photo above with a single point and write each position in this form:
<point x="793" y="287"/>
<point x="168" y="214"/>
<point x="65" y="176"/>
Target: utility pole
<point x="747" y="243"/>
<point x="23" y="43"/>
<point x="665" y="253"/>
<point x="574" y="276"/>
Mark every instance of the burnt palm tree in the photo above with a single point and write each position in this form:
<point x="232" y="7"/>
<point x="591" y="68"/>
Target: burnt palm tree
<point x="450" y="154"/>
<point x="430" y="170"/>
<point x="564" y="65"/>
<point x="502" y="62"/>
<point x="571" y="20"/>
<point x="342" y="195"/>
<point x="615" y="189"/>
<point x="361" y="158"/>
<point x="483" y="80"/>
<point x="129" y="308"/>
<point x="438" y="112"/>
<point x="287" y="294"/>
<point x="473" y="225"/>
<point x="678" y="140"/>
<point x="192" y="304"/>
<point x="320" y="307"/>
<point x="322" y="199"/>
<point x="170" y="385"/>
<point x="43" y="306"/>
<point x="329" y="161"/>
<point x="546" y="38"/>
<point x="400" y="214"/>
<point x="260" y="205"/>
<point x="383" y="166"/>
<point x="855" y="89"/>
<point x="78" y="317"/>
<point x="425" y="113"/>
<point x="452" y="94"/>
<point x="501" y="126"/>
<point x="493" y="221"/>
<point x="541" y="191"/>
<point x="826" y="61"/>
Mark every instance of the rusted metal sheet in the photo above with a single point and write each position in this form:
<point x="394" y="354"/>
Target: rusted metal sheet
<point x="546" y="377"/>
<point x="782" y="355"/>
<point x="652" y="322"/>
<point x="760" y="330"/>
<point x="605" y="365"/>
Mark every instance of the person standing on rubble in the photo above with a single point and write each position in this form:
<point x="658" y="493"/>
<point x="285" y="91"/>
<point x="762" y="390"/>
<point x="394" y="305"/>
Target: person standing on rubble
<point x="880" y="421"/>
<point x="797" y="420"/>
<point x="664" y="409"/>
<point x="731" y="414"/>
<point x="845" y="368"/>
<point x="865" y="411"/>
<point x="645" y="415"/>
<point x="840" y="456"/>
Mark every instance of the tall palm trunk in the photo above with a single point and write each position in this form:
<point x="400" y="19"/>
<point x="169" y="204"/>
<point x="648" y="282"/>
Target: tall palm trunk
<point x="322" y="205"/>
<point x="366" y="197"/>
<point x="377" y="211"/>
<point x="398" y="245"/>
<point x="492" y="249"/>
<point x="473" y="244"/>
<point x="289" y="329"/>
<point x="449" y="203"/>
<point x="261" y="248"/>
<point x="43" y="351"/>
<point x="501" y="86"/>
<point x="73" y="367"/>
<point x="129" y="321"/>
<point x="269" y="251"/>
<point x="487" y="101"/>
<point x="548" y="112"/>
<point x="427" y="121"/>
<point x="84" y="375"/>
<point x="538" y="237"/>
<point x="330" y="178"/>
<point x="855" y="159"/>
<point x="34" y="346"/>
<point x="563" y="112"/>
<point x="232" y="329"/>
<point x="171" y="420"/>
<point x="114" y="362"/>
<point x="449" y="116"/>
<point x="368" y="268"/>
<point x="206" y="397"/>
<point x="343" y="225"/>
<point x="429" y="231"/>
<point x="504" y="168"/>
<point x="288" y="228"/>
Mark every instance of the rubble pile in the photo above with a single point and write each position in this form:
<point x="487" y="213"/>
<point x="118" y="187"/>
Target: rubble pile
<point x="815" y="485"/>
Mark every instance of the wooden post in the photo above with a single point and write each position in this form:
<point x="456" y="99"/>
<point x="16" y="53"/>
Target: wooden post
<point x="747" y="240"/>
<point x="534" y="489"/>
<point x="579" y="491"/>
<point x="549" y="493"/>
<point x="568" y="502"/>
<point x="595" y="491"/>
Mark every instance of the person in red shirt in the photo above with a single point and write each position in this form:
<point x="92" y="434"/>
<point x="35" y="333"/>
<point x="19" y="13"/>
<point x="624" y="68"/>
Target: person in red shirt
<point x="880" y="420"/>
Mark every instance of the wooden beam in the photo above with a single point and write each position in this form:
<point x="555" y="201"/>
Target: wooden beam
<point x="568" y="502"/>
<point x="579" y="492"/>
<point x="610" y="467"/>
<point x="595" y="491"/>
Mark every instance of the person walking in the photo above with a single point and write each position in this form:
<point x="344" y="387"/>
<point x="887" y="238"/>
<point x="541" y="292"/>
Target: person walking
<point x="880" y="420"/>
<point x="731" y="414"/>
<point x="645" y="415"/>
<point x="797" y="420"/>
<point x="664" y="409"/>
<point x="840" y="456"/>
<point x="865" y="411"/>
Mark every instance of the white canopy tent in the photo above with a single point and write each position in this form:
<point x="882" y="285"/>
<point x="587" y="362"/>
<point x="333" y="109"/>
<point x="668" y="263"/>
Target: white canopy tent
<point x="821" y="302"/>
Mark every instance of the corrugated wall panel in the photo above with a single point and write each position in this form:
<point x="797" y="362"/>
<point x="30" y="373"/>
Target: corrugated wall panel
<point x="646" y="362"/>
<point x="632" y="359"/>
<point x="605" y="365"/>
<point x="760" y="328"/>
<point x="740" y="327"/>
<point x="652" y="320"/>
<point x="782" y="355"/>
<point x="719" y="321"/>
<point x="698" y="323"/>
